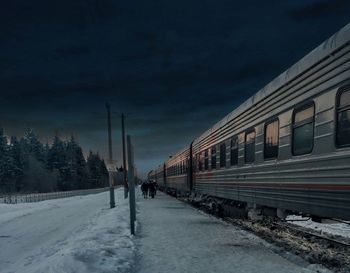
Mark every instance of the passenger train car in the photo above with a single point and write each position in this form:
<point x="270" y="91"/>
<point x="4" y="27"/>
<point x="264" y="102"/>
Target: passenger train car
<point x="286" y="148"/>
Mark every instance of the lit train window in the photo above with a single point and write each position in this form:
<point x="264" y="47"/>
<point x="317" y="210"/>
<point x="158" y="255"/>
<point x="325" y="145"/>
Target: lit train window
<point x="206" y="160"/>
<point x="222" y="155"/>
<point x="271" y="139"/>
<point x="303" y="129"/>
<point x="343" y="117"/>
<point x="213" y="157"/>
<point x="234" y="151"/>
<point x="249" y="147"/>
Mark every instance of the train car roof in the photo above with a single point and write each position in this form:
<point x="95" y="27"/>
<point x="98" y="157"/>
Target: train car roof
<point x="336" y="41"/>
<point x="184" y="151"/>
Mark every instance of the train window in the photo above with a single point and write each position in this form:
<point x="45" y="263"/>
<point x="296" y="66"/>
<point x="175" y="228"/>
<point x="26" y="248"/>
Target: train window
<point x="249" y="149"/>
<point x="200" y="162"/>
<point x="271" y="139"/>
<point x="222" y="155"/>
<point x="303" y="129"/>
<point x="213" y="157"/>
<point x="206" y="160"/>
<point x="234" y="151"/>
<point x="343" y="117"/>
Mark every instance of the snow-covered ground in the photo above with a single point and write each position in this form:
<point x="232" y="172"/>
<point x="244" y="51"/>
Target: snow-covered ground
<point x="334" y="228"/>
<point x="77" y="234"/>
<point x="81" y="234"/>
<point x="174" y="237"/>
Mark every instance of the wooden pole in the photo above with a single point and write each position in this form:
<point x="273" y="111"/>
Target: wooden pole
<point x="131" y="180"/>
<point x="110" y="157"/>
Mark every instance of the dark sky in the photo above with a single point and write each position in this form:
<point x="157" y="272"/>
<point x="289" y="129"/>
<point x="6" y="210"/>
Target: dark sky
<point x="174" y="67"/>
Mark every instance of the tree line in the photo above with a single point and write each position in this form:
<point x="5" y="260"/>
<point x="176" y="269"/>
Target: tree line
<point x="27" y="165"/>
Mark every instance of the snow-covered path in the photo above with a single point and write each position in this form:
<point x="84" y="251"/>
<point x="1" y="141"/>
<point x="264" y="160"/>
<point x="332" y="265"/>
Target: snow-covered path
<point x="78" y="234"/>
<point x="177" y="238"/>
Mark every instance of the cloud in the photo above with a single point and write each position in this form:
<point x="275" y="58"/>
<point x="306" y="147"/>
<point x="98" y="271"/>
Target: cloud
<point x="174" y="67"/>
<point x="320" y="9"/>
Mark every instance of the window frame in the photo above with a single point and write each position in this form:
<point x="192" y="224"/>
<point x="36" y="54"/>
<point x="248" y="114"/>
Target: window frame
<point x="340" y="91"/>
<point x="206" y="160"/>
<point x="299" y="108"/>
<point x="225" y="155"/>
<point x="200" y="162"/>
<point x="231" y="141"/>
<point x="211" y="157"/>
<point x="267" y="123"/>
<point x="248" y="131"/>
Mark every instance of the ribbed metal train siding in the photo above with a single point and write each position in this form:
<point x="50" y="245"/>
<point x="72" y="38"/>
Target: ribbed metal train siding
<point x="178" y="182"/>
<point x="325" y="75"/>
<point x="317" y="183"/>
<point x="311" y="186"/>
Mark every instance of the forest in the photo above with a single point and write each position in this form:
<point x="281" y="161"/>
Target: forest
<point x="27" y="165"/>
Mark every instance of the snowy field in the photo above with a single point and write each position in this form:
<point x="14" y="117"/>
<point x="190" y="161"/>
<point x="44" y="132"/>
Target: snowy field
<point x="76" y="234"/>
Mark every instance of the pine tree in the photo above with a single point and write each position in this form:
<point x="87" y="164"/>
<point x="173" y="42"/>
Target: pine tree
<point x="32" y="145"/>
<point x="3" y="143"/>
<point x="76" y="164"/>
<point x="17" y="162"/>
<point x="97" y="171"/>
<point x="57" y="159"/>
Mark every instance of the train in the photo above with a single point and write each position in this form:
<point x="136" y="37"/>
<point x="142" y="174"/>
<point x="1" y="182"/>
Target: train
<point x="284" y="150"/>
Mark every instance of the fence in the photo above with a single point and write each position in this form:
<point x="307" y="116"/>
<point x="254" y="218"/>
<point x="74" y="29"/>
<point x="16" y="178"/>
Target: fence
<point x="37" y="197"/>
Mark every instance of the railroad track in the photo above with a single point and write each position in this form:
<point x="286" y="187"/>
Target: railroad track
<point x="312" y="247"/>
<point x="314" y="234"/>
<point x="331" y="252"/>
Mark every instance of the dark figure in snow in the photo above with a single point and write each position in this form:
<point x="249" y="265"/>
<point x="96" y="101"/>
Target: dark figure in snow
<point x="144" y="189"/>
<point x="156" y="186"/>
<point x="152" y="188"/>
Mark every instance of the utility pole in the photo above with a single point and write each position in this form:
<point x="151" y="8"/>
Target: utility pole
<point x="124" y="160"/>
<point x="131" y="180"/>
<point x="110" y="157"/>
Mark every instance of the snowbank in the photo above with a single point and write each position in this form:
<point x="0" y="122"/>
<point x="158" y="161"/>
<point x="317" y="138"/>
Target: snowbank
<point x="101" y="244"/>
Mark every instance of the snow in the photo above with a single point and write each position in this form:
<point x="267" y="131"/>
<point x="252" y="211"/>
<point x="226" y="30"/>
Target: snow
<point x="81" y="234"/>
<point x="334" y="228"/>
<point x="177" y="238"/>
<point x="77" y="234"/>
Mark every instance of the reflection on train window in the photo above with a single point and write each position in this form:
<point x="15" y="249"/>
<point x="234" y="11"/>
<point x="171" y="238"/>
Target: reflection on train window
<point x="250" y="147"/>
<point x="206" y="160"/>
<point x="343" y="118"/>
<point x="222" y="155"/>
<point x="234" y="151"/>
<point x="303" y="130"/>
<point x="271" y="139"/>
<point x="213" y="157"/>
<point x="200" y="162"/>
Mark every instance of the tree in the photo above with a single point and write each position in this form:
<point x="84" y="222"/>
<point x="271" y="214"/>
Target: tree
<point x="36" y="178"/>
<point x="97" y="171"/>
<point x="17" y="164"/>
<point x="32" y="146"/>
<point x="77" y="174"/>
<point x="57" y="159"/>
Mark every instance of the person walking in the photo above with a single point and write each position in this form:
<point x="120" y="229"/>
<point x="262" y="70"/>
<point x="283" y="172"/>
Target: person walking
<point x="152" y="188"/>
<point x="144" y="189"/>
